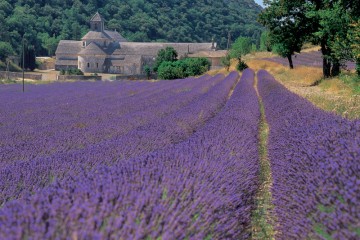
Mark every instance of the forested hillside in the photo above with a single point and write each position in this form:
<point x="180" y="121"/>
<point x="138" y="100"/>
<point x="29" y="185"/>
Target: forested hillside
<point x="45" y="22"/>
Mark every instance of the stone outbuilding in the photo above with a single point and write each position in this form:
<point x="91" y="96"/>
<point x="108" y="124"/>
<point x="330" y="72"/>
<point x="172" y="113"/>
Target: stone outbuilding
<point x="213" y="56"/>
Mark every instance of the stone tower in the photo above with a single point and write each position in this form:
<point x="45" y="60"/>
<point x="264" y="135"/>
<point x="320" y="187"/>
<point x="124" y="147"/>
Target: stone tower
<point x="97" y="23"/>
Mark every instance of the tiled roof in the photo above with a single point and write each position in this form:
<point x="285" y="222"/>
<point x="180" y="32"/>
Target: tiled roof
<point x="68" y="47"/>
<point x="133" y="58"/>
<point x="152" y="48"/>
<point x="126" y="60"/>
<point x="97" y="18"/>
<point x="92" y="49"/>
<point x="116" y="36"/>
<point x="96" y="35"/>
<point x="111" y="47"/>
<point x="211" y="54"/>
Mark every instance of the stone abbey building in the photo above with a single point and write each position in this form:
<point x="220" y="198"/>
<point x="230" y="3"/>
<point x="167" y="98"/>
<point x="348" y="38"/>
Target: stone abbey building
<point x="103" y="51"/>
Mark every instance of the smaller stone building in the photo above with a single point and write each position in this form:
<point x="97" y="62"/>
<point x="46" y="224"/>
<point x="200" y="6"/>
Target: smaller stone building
<point x="213" y="56"/>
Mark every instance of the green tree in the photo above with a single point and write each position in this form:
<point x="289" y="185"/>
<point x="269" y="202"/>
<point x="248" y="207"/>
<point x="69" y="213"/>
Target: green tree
<point x="194" y="66"/>
<point x="74" y="71"/>
<point x="346" y="47"/>
<point x="5" y="50"/>
<point x="48" y="43"/>
<point x="286" y="32"/>
<point x="321" y="22"/>
<point x="183" y="68"/>
<point x="147" y="71"/>
<point x="333" y="24"/>
<point x="287" y="46"/>
<point x="241" y="66"/>
<point x="4" y="29"/>
<point x="168" y="54"/>
<point x="168" y="70"/>
<point x="265" y="41"/>
<point x="253" y="48"/>
<point x="354" y="37"/>
<point x="29" y="57"/>
<point x="241" y="47"/>
<point x="226" y="61"/>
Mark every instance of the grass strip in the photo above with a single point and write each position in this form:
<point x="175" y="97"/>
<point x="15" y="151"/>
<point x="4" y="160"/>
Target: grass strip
<point x="262" y="219"/>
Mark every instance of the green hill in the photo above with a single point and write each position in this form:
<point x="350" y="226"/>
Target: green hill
<point x="45" y="22"/>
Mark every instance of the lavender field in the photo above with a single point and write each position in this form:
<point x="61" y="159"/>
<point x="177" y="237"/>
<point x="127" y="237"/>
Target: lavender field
<point x="173" y="160"/>
<point x="315" y="161"/>
<point x="311" y="59"/>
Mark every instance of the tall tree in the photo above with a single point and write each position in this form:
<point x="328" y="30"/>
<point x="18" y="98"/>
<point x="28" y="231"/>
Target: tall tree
<point x="348" y="47"/>
<point x="5" y="50"/>
<point x="332" y="23"/>
<point x="265" y="41"/>
<point x="29" y="57"/>
<point x="354" y="38"/>
<point x="353" y="44"/>
<point x="226" y="61"/>
<point x="168" y="54"/>
<point x="320" y="21"/>
<point x="286" y="30"/>
<point x="240" y="47"/>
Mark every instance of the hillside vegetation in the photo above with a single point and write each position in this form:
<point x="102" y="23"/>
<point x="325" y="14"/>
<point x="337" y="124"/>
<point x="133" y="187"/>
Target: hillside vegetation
<point x="43" y="23"/>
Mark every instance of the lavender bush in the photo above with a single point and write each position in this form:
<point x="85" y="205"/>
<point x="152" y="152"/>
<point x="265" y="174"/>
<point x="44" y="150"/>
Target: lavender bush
<point x="138" y="137"/>
<point x="311" y="59"/>
<point x="71" y="119"/>
<point x="197" y="187"/>
<point x="315" y="163"/>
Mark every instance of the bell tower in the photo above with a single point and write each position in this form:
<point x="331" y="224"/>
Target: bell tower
<point x="97" y="23"/>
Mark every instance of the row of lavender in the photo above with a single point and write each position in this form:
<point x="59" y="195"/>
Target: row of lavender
<point x="315" y="163"/>
<point x="202" y="187"/>
<point x="71" y="116"/>
<point x="161" y="124"/>
<point x="312" y="59"/>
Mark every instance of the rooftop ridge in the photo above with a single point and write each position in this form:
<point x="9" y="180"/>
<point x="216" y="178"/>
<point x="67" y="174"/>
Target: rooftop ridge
<point x="96" y="35"/>
<point x="97" y="18"/>
<point x="93" y="49"/>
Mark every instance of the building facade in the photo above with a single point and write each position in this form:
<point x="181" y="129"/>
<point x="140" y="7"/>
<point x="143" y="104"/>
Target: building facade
<point x="104" y="51"/>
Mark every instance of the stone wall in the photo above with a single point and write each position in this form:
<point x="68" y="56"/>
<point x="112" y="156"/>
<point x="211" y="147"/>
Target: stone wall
<point x="77" y="78"/>
<point x="17" y="75"/>
<point x="64" y="67"/>
<point x="135" y="77"/>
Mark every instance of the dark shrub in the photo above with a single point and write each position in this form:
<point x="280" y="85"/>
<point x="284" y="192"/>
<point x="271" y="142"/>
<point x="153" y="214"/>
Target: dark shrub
<point x="241" y="66"/>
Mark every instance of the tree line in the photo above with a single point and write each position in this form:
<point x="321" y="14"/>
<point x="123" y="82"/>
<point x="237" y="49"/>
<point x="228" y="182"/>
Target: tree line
<point x="43" y="23"/>
<point x="333" y="25"/>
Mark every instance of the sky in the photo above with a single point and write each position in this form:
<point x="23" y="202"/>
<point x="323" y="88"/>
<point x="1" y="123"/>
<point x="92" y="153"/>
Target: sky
<point x="260" y="2"/>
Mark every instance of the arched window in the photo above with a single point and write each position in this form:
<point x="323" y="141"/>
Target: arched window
<point x="96" y="26"/>
<point x="88" y="65"/>
<point x="97" y="65"/>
